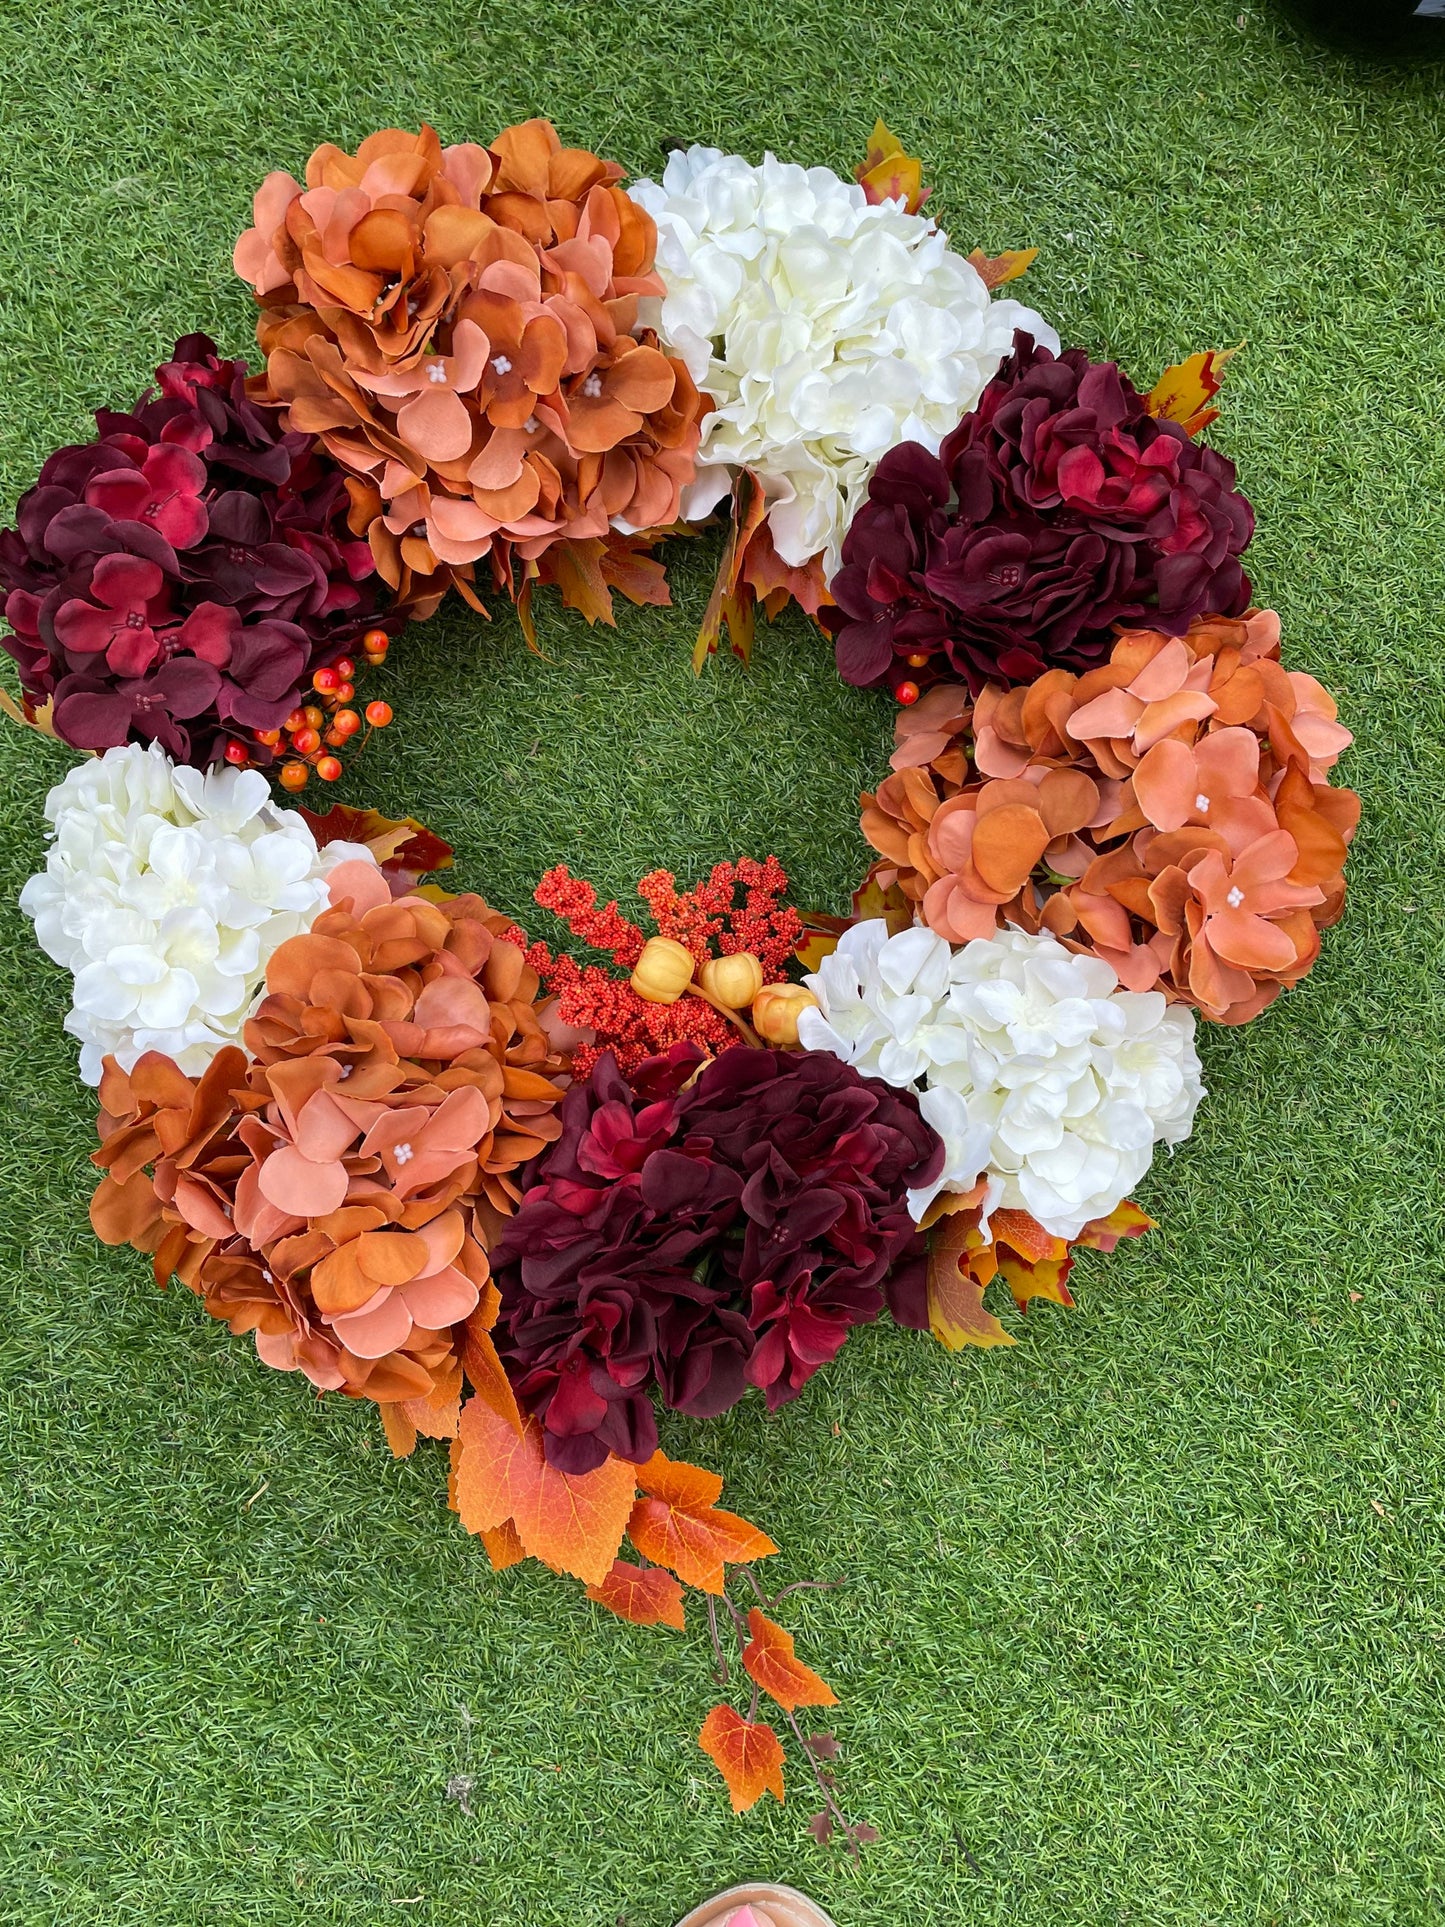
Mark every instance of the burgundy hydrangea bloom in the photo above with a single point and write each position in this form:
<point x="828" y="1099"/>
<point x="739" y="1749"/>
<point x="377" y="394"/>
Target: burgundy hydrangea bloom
<point x="180" y="577"/>
<point x="703" y="1237"/>
<point x="1058" y="508"/>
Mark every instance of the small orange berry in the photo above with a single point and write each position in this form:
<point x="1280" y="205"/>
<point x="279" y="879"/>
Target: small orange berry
<point x="345" y="723"/>
<point x="345" y="668"/>
<point x="237" y="755"/>
<point x="270" y="737"/>
<point x="305" y="741"/>
<point x="917" y="662"/>
<point x="296" y="720"/>
<point x="378" y="714"/>
<point x="315" y="716"/>
<point x="907" y="692"/>
<point x="344" y="692"/>
<point x="375" y="642"/>
<point x="324" y="681"/>
<point x="293" y="776"/>
<point x="329" y="769"/>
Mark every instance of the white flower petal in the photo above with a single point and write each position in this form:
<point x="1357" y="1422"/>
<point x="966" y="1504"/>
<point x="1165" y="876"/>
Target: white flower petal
<point x="1031" y="1063"/>
<point x="166" y="891"/>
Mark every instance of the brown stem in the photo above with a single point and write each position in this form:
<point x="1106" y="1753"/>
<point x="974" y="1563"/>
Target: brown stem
<point x="750" y="1036"/>
<point x="829" y="1802"/>
<point x="807" y="1585"/>
<point x="719" y="1656"/>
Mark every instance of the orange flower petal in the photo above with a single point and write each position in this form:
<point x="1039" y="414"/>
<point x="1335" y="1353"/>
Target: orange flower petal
<point x="1007" y="843"/>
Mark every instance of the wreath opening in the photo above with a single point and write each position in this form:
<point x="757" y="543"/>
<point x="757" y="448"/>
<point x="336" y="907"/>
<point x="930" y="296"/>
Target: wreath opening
<point x="525" y="1180"/>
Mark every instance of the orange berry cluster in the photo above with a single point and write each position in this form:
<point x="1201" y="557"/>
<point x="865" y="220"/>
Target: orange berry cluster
<point x="313" y="732"/>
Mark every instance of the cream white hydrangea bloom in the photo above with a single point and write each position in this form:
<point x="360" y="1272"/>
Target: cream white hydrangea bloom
<point x="826" y="331"/>
<point x="1035" y="1068"/>
<point x="165" y="892"/>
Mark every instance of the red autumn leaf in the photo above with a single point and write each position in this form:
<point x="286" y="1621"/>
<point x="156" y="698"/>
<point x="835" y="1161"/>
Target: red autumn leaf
<point x="956" y="1310"/>
<point x="773" y="1665"/>
<point x="405" y="848"/>
<point x="819" y="939"/>
<point x="996" y="269"/>
<point x="870" y="899"/>
<point x="646" y="1595"/>
<point x="1183" y="393"/>
<point x="571" y="1523"/>
<point x="748" y="1754"/>
<point x="1124" y="1221"/>
<point x="677" y="1524"/>
<point x="888" y="173"/>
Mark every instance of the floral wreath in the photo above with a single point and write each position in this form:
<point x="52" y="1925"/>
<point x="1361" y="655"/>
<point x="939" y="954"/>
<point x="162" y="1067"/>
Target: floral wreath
<point x="516" y="1199"/>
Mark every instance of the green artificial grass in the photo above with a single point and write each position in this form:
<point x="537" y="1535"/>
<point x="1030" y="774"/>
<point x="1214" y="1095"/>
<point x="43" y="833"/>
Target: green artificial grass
<point x="1144" y="1617"/>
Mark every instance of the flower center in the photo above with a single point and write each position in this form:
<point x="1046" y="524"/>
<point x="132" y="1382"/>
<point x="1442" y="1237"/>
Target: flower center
<point x="1201" y="803"/>
<point x="403" y="1154"/>
<point x="501" y="365"/>
<point x="592" y="386"/>
<point x="437" y="373"/>
<point x="1235" y="897"/>
<point x="1008" y="577"/>
<point x="135" y="620"/>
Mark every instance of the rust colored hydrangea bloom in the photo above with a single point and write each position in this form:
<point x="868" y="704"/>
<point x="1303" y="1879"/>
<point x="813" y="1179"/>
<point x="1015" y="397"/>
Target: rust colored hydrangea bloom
<point x="459" y="326"/>
<point x="1170" y="811"/>
<point x="336" y="1193"/>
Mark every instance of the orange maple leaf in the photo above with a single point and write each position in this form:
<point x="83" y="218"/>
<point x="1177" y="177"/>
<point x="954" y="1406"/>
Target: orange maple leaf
<point x="576" y="570"/>
<point x="629" y="566"/>
<point x="572" y="1523"/>
<point x="677" y="1524"/>
<point x="776" y="583"/>
<point x="956" y="1310"/>
<point x="1032" y="1262"/>
<point x="503" y="1546"/>
<point x="887" y="172"/>
<point x="1183" y="393"/>
<point x="996" y="269"/>
<point x="486" y="1373"/>
<point x="747" y="1753"/>
<point x="731" y="600"/>
<point x="771" y="1661"/>
<point x="39" y="716"/>
<point x="646" y="1595"/>
<point x="434" y="1417"/>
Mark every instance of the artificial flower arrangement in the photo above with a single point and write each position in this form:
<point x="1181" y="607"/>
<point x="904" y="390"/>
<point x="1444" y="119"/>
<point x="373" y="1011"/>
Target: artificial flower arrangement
<point x="518" y="1200"/>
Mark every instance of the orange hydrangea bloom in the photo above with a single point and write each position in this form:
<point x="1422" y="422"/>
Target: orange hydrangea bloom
<point x="460" y="327"/>
<point x="1170" y="811"/>
<point x="336" y="1193"/>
